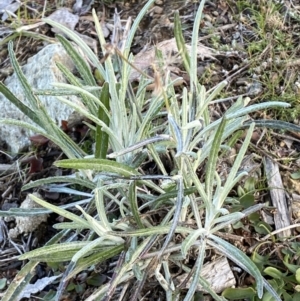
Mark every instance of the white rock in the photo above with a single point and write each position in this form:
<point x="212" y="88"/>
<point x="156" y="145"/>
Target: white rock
<point x="30" y="223"/>
<point x="41" y="72"/>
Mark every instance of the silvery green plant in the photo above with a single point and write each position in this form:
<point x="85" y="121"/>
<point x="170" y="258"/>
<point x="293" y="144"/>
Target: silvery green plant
<point x="186" y="132"/>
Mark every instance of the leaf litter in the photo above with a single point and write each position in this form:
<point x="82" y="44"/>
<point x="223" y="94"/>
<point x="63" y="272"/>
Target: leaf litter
<point x="145" y="55"/>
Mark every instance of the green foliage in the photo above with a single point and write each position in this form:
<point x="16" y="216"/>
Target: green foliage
<point x="283" y="278"/>
<point x="127" y="126"/>
<point x="101" y="136"/>
<point x="272" y="49"/>
<point x="239" y="293"/>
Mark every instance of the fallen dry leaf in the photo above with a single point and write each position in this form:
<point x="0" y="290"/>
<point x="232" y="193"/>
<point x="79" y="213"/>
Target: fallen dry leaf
<point x="144" y="59"/>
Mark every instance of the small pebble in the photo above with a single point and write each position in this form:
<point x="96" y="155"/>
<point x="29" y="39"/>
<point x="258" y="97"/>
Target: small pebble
<point x="257" y="70"/>
<point x="157" y="10"/>
<point x="254" y="89"/>
<point x="264" y="65"/>
<point x="208" y="18"/>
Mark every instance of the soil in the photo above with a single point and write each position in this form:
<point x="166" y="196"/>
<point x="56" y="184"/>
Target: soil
<point x="226" y="33"/>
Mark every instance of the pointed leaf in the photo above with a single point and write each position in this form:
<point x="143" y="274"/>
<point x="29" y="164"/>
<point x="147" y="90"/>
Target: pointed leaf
<point x="189" y="241"/>
<point x="61" y="212"/>
<point x="55" y="253"/>
<point x="239" y="258"/>
<point x="60" y="179"/>
<point x="19" y="104"/>
<point x="181" y="43"/>
<point x="81" y="65"/>
<point x="212" y="159"/>
<point x="96" y="258"/>
<point x="133" y="204"/>
<point x="101" y="136"/>
<point x="85" y="48"/>
<point x="274" y="124"/>
<point x="98" y="165"/>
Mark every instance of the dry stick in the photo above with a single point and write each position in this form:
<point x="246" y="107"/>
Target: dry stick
<point x="7" y="191"/>
<point x="228" y="98"/>
<point x="147" y="248"/>
<point x="221" y="29"/>
<point x="264" y="239"/>
<point x="269" y="155"/>
<point x="112" y="287"/>
<point x="285" y="137"/>
<point x="280" y="230"/>
<point x="124" y="289"/>
<point x="150" y="269"/>
<point x="230" y="77"/>
<point x="183" y="284"/>
<point x="44" y="8"/>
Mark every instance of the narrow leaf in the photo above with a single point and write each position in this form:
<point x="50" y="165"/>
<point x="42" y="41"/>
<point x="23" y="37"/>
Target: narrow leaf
<point x="96" y="258"/>
<point x="133" y="204"/>
<point x="76" y="83"/>
<point x="239" y="258"/>
<point x="179" y="201"/>
<point x="194" y="46"/>
<point x="178" y="134"/>
<point x="22" y="107"/>
<point x="230" y="182"/>
<point x="196" y="274"/>
<point x="98" y="165"/>
<point x="81" y="65"/>
<point x="85" y="48"/>
<point x="61" y="212"/>
<point x="257" y="107"/>
<point x="100" y="204"/>
<point x="181" y="43"/>
<point x="61" y="179"/>
<point x="213" y="158"/>
<point x="34" y="101"/>
<point x="189" y="241"/>
<point x="101" y="136"/>
<point x="151" y="231"/>
<point x="274" y="124"/>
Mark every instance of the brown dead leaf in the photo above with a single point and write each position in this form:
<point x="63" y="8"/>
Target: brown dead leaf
<point x="144" y="59"/>
<point x="36" y="164"/>
<point x="38" y="140"/>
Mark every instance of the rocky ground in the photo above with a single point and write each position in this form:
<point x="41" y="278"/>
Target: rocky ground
<point x="254" y="46"/>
